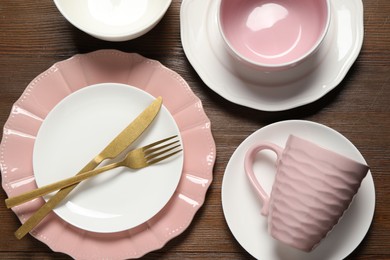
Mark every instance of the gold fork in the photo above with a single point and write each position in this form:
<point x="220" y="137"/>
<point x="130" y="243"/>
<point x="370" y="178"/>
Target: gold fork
<point x="135" y="159"/>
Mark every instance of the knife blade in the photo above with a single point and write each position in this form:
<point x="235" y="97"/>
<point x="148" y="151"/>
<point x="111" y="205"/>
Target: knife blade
<point x="113" y="149"/>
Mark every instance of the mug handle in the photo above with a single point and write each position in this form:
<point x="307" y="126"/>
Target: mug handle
<point x="248" y="164"/>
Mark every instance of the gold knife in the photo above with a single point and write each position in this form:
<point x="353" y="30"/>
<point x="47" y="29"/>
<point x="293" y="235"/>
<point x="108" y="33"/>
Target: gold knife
<point x="113" y="149"/>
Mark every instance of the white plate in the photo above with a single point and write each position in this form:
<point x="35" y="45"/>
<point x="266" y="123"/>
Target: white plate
<point x="76" y="130"/>
<point x="242" y="208"/>
<point x="204" y="48"/>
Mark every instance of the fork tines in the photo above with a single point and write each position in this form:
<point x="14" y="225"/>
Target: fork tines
<point x="161" y="150"/>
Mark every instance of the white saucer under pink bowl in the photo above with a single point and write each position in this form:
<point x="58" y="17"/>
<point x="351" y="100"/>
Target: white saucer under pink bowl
<point x="272" y="35"/>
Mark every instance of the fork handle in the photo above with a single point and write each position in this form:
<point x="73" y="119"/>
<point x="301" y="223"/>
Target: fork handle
<point x="42" y="212"/>
<point x="30" y="195"/>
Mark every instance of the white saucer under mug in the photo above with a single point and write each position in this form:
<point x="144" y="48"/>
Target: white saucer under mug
<point x="242" y="208"/>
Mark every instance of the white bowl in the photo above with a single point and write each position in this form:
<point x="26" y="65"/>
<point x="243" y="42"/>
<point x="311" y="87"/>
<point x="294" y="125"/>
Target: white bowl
<point x="113" y="20"/>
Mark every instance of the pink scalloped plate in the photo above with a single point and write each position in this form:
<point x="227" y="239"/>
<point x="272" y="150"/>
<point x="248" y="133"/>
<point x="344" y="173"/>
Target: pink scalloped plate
<point x="68" y="76"/>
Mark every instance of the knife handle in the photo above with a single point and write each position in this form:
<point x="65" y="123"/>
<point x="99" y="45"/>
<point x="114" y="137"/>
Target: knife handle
<point x="43" y="211"/>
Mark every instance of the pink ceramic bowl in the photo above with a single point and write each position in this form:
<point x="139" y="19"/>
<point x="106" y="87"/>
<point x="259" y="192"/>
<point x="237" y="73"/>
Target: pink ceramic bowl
<point x="273" y="35"/>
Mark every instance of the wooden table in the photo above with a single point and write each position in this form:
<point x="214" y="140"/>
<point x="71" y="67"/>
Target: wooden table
<point x="34" y="35"/>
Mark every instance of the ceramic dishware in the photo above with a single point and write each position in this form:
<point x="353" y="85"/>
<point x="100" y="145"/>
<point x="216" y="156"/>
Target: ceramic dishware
<point x="312" y="189"/>
<point x="280" y="90"/>
<point x="113" y="20"/>
<point x="251" y="230"/>
<point x="87" y="122"/>
<point x="273" y="35"/>
<point x="68" y="76"/>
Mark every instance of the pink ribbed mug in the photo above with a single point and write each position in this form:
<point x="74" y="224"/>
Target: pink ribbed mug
<point x="312" y="189"/>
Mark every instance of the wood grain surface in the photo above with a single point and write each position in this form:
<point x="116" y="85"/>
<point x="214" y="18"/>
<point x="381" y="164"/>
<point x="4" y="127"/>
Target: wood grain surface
<point x="34" y="35"/>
